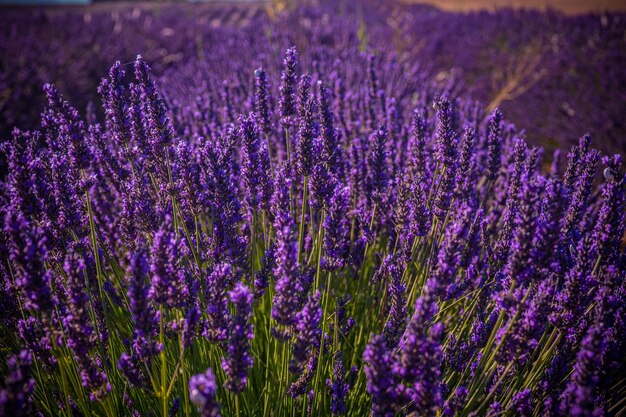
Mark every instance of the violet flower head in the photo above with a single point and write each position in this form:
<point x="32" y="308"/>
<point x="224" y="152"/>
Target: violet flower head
<point x="455" y="403"/>
<point x="328" y="144"/>
<point x="289" y="81"/>
<point x="494" y="143"/>
<point x="79" y="328"/>
<point x="217" y="323"/>
<point x="466" y="161"/>
<point x="521" y="403"/>
<point x="581" y="193"/>
<point x="256" y="164"/>
<point x="336" y="239"/>
<point x="68" y="128"/>
<point x="381" y="382"/>
<point x="417" y="145"/>
<point x="143" y="315"/>
<point x="77" y="321"/>
<point x="303" y="96"/>
<point x="580" y="397"/>
<point x="28" y="253"/>
<point x="127" y="366"/>
<point x="337" y="385"/>
<point x="262" y="100"/>
<point x="322" y="186"/>
<point x="609" y="229"/>
<point x="377" y="164"/>
<point x="159" y="125"/>
<point x="262" y="277"/>
<point x="300" y="385"/>
<point x="16" y="396"/>
<point x="445" y="135"/>
<point x="238" y="359"/>
<point x="397" y="318"/>
<point x="168" y="284"/>
<point x="114" y="104"/>
<point x="288" y="287"/>
<point x="308" y="332"/>
<point x="202" y="392"/>
<point x="305" y="157"/>
<point x="38" y="341"/>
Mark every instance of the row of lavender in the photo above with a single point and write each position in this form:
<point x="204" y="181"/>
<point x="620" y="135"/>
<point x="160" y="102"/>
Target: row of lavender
<point x="344" y="241"/>
<point x="552" y="74"/>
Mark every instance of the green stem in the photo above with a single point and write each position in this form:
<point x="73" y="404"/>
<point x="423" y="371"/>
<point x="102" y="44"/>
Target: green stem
<point x="304" y="205"/>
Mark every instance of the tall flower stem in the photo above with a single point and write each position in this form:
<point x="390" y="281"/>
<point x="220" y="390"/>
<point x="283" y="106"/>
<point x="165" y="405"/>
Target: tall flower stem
<point x="304" y="207"/>
<point x="163" y="364"/>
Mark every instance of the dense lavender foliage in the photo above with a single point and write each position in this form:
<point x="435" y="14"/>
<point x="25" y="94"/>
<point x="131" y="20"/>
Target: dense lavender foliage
<point x="314" y="229"/>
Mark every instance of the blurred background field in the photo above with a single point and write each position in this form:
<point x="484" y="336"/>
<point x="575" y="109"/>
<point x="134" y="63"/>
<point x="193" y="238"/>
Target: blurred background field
<point x="556" y="74"/>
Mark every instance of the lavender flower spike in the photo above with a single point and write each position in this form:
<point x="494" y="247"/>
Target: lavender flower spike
<point x="494" y="142"/>
<point x="337" y="386"/>
<point x="16" y="397"/>
<point x="238" y="359"/>
<point x="202" y="391"/>
<point x="256" y="164"/>
<point x="381" y="384"/>
<point x="289" y="80"/>
<point x="308" y="332"/>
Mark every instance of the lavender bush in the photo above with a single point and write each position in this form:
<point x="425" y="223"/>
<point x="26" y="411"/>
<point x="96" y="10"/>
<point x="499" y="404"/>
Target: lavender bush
<point x="332" y="237"/>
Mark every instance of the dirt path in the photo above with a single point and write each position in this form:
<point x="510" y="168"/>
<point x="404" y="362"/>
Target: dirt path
<point x="566" y="6"/>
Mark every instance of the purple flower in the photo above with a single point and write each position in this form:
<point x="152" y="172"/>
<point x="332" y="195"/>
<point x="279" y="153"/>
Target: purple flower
<point x="580" y="195"/>
<point x="168" y="284"/>
<point x="397" y="318"/>
<point x="308" y="332"/>
<point x="521" y="403"/>
<point x="16" y="396"/>
<point x="609" y="228"/>
<point x="420" y="356"/>
<point x="381" y="384"/>
<point x="144" y="317"/>
<point x="262" y="100"/>
<point x="337" y="230"/>
<point x="445" y="136"/>
<point x="417" y="146"/>
<point x="377" y="164"/>
<point x="328" y="144"/>
<point x="299" y="386"/>
<point x="158" y="123"/>
<point x="127" y="365"/>
<point x="337" y="386"/>
<point x="28" y="253"/>
<point x="238" y="359"/>
<point x="202" y="392"/>
<point x="262" y="277"/>
<point x="218" y="317"/>
<point x="322" y="186"/>
<point x="256" y="164"/>
<point x="79" y="329"/>
<point x="289" y="79"/>
<point x="305" y="154"/>
<point x="494" y="143"/>
<point x="38" y="340"/>
<point x="288" y="287"/>
<point x="455" y="403"/>
<point x="114" y="104"/>
<point x="63" y="123"/>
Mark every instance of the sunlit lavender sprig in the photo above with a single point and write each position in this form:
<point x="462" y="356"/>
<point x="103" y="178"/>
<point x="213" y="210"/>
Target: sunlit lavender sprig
<point x="239" y="360"/>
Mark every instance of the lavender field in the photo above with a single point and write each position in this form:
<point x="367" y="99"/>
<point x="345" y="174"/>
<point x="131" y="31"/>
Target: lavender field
<point x="270" y="209"/>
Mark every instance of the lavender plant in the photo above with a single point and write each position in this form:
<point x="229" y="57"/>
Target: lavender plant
<point x="360" y="246"/>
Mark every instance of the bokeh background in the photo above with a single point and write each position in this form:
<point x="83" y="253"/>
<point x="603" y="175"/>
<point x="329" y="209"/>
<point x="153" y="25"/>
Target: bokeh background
<point x="556" y="68"/>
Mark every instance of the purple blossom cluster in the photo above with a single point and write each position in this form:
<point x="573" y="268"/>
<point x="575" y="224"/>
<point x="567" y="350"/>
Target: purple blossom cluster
<point x="264" y="230"/>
